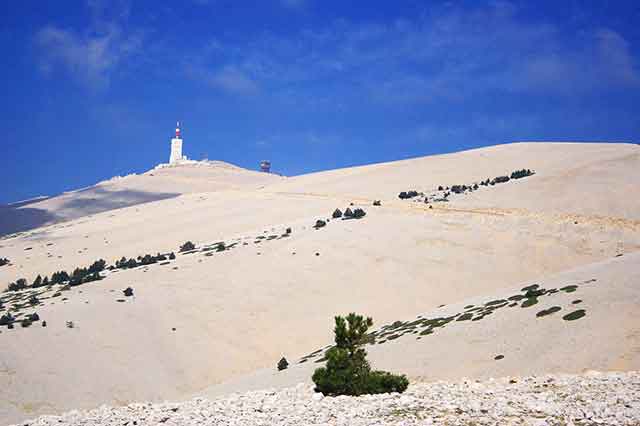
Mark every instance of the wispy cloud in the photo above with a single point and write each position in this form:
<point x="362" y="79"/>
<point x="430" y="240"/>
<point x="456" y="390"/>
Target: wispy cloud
<point x="449" y="54"/>
<point x="231" y="79"/>
<point x="92" y="55"/>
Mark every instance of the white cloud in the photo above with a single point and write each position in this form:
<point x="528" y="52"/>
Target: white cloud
<point x="90" y="56"/>
<point x="448" y="54"/>
<point x="232" y="80"/>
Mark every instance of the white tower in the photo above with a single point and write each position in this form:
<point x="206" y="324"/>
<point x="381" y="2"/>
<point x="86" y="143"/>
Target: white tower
<point x="176" y="147"/>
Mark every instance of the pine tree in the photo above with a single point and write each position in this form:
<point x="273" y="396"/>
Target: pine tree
<point x="283" y="364"/>
<point x="347" y="371"/>
<point x="37" y="282"/>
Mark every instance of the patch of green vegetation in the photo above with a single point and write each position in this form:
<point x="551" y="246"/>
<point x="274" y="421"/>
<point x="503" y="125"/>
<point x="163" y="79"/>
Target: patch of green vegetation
<point x="496" y="302"/>
<point x="575" y="302"/>
<point x="468" y="306"/>
<point x="548" y="311"/>
<point x="529" y="302"/>
<point x="569" y="288"/>
<point x="535" y="293"/>
<point x="465" y="317"/>
<point x="426" y="331"/>
<point x="498" y="357"/>
<point x="574" y="315"/>
<point x="347" y="371"/>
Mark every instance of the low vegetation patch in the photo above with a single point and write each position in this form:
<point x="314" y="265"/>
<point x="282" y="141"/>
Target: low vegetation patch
<point x="548" y="311"/>
<point x="77" y="277"/>
<point x="574" y="315"/>
<point x="4" y="261"/>
<point x="425" y="326"/>
<point x="188" y="246"/>
<point x="404" y="195"/>
<point x="442" y="193"/>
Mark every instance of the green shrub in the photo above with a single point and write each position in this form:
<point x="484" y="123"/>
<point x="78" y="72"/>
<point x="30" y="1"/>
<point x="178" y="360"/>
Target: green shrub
<point x="20" y="284"/>
<point x="358" y="213"/>
<point x="549" y="311"/>
<point x="347" y="371"/>
<point x="336" y="214"/>
<point x="6" y="319"/>
<point x="529" y="302"/>
<point x="4" y="261"/>
<point x="188" y="246"/>
<point x="97" y="266"/>
<point x="521" y="173"/>
<point x="283" y="364"/>
<point x="574" y="315"/>
<point x="384" y="382"/>
<point x="320" y="224"/>
<point x="37" y="282"/>
<point x="59" y="277"/>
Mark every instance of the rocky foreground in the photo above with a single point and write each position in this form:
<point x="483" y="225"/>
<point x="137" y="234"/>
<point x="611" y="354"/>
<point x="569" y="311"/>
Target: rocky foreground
<point x="590" y="399"/>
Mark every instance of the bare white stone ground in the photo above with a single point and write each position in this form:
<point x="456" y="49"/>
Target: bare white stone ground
<point x="590" y="399"/>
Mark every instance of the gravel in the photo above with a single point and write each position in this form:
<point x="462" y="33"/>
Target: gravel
<point x="590" y="399"/>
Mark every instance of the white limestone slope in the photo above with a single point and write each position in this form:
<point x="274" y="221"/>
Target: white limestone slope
<point x="239" y="311"/>
<point x="124" y="191"/>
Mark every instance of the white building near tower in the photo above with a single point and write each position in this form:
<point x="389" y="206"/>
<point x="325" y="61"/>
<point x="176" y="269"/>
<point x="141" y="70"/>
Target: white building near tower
<point x="176" y="147"/>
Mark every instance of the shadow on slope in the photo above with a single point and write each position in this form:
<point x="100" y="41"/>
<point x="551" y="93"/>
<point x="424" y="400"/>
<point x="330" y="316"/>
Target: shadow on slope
<point x="20" y="217"/>
<point x="97" y="200"/>
<point x="16" y="219"/>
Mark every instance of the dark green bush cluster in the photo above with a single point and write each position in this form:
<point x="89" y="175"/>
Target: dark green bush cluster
<point x="320" y="224"/>
<point x="347" y="371"/>
<point x="521" y="173"/>
<point x="59" y="277"/>
<point x="4" y="261"/>
<point x="356" y="213"/>
<point x="7" y="319"/>
<point x="20" y="284"/>
<point x="459" y="189"/>
<point x="29" y="319"/>
<point x="79" y="276"/>
<point x="283" y="364"/>
<point x="147" y="259"/>
<point x="83" y="276"/>
<point x="407" y="194"/>
<point x="336" y="214"/>
<point x="39" y="282"/>
<point x="188" y="246"/>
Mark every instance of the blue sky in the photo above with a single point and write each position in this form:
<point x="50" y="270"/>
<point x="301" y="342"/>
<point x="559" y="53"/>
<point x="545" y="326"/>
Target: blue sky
<point x="92" y="89"/>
